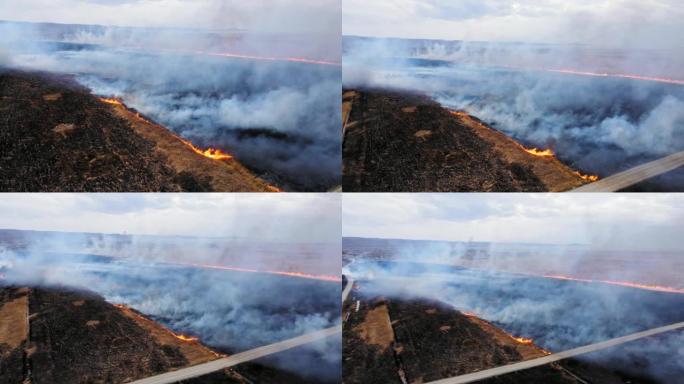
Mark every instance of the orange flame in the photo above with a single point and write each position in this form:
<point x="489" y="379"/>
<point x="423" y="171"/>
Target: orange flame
<point x="111" y="101"/>
<point x="272" y="58"/>
<point x="211" y="153"/>
<point x="469" y="314"/>
<point x="539" y="152"/>
<point x="523" y="340"/>
<point x="331" y="278"/>
<point x="618" y="75"/>
<point x="591" y="178"/>
<point x="534" y="151"/>
<point x="187" y="339"/>
<point x="568" y="71"/>
<point x="657" y="288"/>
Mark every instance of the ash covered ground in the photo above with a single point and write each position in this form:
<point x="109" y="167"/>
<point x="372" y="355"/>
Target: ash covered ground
<point x="595" y="123"/>
<point x="556" y="314"/>
<point x="279" y="118"/>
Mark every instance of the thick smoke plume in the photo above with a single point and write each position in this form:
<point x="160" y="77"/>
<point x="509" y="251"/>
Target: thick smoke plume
<point x="597" y="123"/>
<point x="280" y="118"/>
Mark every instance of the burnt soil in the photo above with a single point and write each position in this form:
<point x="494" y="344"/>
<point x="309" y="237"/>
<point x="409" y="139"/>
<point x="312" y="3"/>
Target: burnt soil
<point x="57" y="136"/>
<point x="428" y="341"/>
<point x="77" y="337"/>
<point x="406" y="142"/>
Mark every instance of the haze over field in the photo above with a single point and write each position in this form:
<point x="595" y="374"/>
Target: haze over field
<point x="318" y="21"/>
<point x="624" y="222"/>
<point x="258" y="80"/>
<point x="203" y="265"/>
<point x="600" y="84"/>
<point x="606" y="23"/>
<point x="560" y="270"/>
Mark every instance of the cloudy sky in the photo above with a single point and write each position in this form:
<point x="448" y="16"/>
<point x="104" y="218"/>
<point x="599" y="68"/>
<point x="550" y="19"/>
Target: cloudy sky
<point x="293" y="16"/>
<point x="615" y="221"/>
<point x="615" y="23"/>
<point x="278" y="217"/>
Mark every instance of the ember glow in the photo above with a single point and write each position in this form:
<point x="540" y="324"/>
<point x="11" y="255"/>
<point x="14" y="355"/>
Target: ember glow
<point x="330" y="278"/>
<point x="657" y="288"/>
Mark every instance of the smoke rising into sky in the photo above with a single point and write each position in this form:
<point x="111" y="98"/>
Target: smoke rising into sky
<point x="275" y="16"/>
<point x="608" y="23"/>
<point x="289" y="217"/>
<point x="627" y="222"/>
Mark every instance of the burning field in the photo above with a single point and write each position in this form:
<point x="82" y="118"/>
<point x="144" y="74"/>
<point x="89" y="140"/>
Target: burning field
<point x="559" y="288"/>
<point x="410" y="322"/>
<point x="216" y="313"/>
<point x="60" y="137"/>
<point x="394" y="141"/>
<point x="268" y="121"/>
<point x="590" y="112"/>
<point x="226" y="301"/>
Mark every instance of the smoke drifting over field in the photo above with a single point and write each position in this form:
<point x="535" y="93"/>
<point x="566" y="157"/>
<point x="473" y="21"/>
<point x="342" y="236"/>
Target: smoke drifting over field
<point x="556" y="314"/>
<point x="237" y="271"/>
<point x="565" y="270"/>
<point x="595" y="122"/>
<point x="243" y="91"/>
<point x="229" y="311"/>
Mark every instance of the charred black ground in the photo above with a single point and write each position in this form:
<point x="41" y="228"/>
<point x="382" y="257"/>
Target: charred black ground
<point x="94" y="151"/>
<point x="58" y="137"/>
<point x="406" y="142"/>
<point x="74" y="336"/>
<point x="408" y="313"/>
<point x="426" y="341"/>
